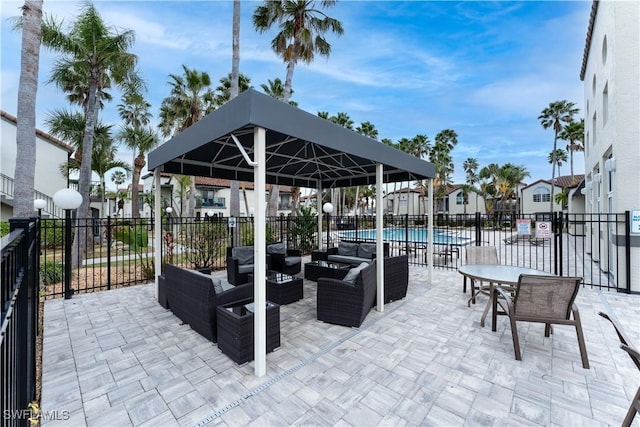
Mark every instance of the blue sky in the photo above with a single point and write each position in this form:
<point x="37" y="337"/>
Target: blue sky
<point x="483" y="69"/>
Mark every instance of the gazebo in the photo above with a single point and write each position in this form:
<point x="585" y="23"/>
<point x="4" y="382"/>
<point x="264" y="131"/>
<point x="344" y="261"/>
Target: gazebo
<point x="255" y="137"/>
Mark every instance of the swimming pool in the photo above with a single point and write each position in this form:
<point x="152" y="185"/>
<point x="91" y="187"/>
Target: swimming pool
<point x="413" y="235"/>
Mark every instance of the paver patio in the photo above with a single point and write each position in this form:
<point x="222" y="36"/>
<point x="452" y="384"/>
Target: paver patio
<point x="118" y="358"/>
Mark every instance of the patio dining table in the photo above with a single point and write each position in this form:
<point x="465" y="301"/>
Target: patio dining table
<point x="505" y="275"/>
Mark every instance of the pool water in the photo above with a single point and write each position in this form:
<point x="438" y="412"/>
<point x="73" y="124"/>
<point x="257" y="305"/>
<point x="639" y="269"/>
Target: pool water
<point x="413" y="235"/>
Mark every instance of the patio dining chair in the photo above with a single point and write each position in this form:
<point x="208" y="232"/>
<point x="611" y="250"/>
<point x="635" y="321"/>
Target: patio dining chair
<point x="634" y="354"/>
<point x="541" y="299"/>
<point x="479" y="255"/>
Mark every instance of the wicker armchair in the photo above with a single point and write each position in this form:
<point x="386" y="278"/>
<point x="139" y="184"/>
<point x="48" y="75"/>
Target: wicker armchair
<point x="479" y="255"/>
<point x="343" y="303"/>
<point x="541" y="299"/>
<point x="634" y="354"/>
<point x="283" y="260"/>
<point x="240" y="264"/>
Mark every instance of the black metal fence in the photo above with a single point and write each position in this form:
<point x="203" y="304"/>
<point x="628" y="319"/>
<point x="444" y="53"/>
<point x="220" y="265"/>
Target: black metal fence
<point x="20" y="251"/>
<point x="120" y="252"/>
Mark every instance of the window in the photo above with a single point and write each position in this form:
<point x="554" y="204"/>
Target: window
<point x="593" y="128"/>
<point x="604" y="50"/>
<point x="541" y="194"/>
<point x="460" y="198"/>
<point x="593" y="85"/>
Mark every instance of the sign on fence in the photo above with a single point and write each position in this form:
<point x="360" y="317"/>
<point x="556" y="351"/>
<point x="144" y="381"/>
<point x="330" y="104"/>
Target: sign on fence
<point x="543" y="230"/>
<point x="635" y="221"/>
<point x="232" y="222"/>
<point x="523" y="227"/>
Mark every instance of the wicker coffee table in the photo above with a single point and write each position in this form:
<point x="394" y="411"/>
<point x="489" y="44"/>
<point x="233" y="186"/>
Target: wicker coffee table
<point x="282" y="288"/>
<point x="333" y="270"/>
<point x="235" y="330"/>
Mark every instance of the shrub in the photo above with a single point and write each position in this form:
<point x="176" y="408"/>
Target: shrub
<point x="203" y="243"/>
<point x="4" y="228"/>
<point x="52" y="233"/>
<point x="51" y="272"/>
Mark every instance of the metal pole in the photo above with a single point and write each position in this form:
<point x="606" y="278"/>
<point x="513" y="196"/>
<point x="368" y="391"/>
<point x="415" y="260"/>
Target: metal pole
<point x="328" y="227"/>
<point x="68" y="292"/>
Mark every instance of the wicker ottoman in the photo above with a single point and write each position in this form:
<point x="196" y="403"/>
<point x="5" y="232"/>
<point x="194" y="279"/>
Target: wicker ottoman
<point x="235" y="330"/>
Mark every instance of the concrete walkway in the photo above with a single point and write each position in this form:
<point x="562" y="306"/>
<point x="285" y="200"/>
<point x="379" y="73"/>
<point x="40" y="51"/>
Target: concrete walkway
<point x="117" y="358"/>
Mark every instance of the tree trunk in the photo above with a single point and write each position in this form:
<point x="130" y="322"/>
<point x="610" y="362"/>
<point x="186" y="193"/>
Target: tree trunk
<point x="272" y="205"/>
<point x="235" y="59"/>
<point x="234" y="199"/>
<point x="191" y="209"/>
<point x="553" y="170"/>
<point x="84" y="181"/>
<point x="138" y="165"/>
<point x="24" y="173"/>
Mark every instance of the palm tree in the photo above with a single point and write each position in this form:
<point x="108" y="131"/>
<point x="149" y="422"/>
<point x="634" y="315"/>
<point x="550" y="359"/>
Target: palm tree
<point x="136" y="135"/>
<point x="470" y="167"/>
<point x="97" y="58"/>
<point x="573" y="133"/>
<point x="223" y="91"/>
<point x="368" y="129"/>
<point x="24" y="173"/>
<point x="69" y="126"/>
<point x="103" y="160"/>
<point x="191" y="98"/>
<point x="275" y="89"/>
<point x="555" y="116"/>
<point x="118" y="178"/>
<point x="141" y="140"/>
<point x="301" y="35"/>
<point x="559" y="156"/>
<point x="302" y="29"/>
<point x="440" y="156"/>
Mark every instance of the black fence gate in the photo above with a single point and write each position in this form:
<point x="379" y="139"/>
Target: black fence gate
<point x="20" y="253"/>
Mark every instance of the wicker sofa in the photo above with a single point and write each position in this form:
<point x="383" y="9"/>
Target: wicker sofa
<point x="343" y="303"/>
<point x="353" y="253"/>
<point x="193" y="298"/>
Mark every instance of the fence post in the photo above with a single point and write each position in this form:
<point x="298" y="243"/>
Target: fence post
<point x="478" y="230"/>
<point x="108" y="252"/>
<point x="557" y="247"/>
<point x="627" y="248"/>
<point x="406" y="233"/>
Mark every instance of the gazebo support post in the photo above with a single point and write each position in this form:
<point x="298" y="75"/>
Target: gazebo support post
<point x="379" y="237"/>
<point x="430" y="237"/>
<point x="260" y="261"/>
<point x="319" y="210"/>
<point x="157" y="227"/>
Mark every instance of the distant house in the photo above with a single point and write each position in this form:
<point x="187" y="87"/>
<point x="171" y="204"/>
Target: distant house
<point x="51" y="153"/>
<point x="456" y="202"/>
<point x="404" y="201"/>
<point x="610" y="72"/>
<point x="212" y="196"/>
<point x="536" y="197"/>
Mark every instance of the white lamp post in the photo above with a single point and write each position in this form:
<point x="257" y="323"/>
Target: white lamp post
<point x="328" y="208"/>
<point x="39" y="204"/>
<point x="67" y="199"/>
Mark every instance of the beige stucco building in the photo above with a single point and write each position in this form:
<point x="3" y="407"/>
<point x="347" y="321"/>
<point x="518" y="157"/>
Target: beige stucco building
<point x="51" y="153"/>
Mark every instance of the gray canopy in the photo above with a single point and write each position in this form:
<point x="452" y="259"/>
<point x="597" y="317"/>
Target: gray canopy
<point x="302" y="149"/>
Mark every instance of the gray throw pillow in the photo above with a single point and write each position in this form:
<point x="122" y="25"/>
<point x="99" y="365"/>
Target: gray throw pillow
<point x="244" y="254"/>
<point x="277" y="248"/>
<point x="366" y="250"/>
<point x="217" y="285"/>
<point x="348" y="249"/>
<point x="352" y="275"/>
